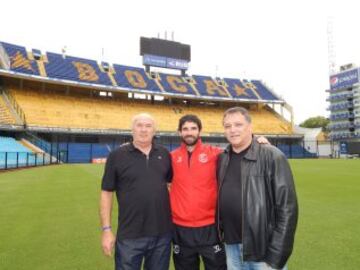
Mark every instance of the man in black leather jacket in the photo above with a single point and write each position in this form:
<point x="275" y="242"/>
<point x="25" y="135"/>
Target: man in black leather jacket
<point x="257" y="204"/>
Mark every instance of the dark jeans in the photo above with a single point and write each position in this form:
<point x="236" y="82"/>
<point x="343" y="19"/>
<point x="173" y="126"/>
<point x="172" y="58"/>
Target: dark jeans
<point x="129" y="253"/>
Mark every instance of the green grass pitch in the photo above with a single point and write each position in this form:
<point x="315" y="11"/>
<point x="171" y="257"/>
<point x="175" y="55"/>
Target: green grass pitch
<point x="49" y="217"/>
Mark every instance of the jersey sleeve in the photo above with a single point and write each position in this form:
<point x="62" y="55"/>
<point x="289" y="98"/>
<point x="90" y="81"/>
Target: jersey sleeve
<point x="109" y="177"/>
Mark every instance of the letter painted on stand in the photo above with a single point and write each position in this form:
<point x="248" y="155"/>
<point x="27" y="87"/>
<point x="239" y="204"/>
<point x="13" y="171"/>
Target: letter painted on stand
<point x="135" y="79"/>
<point x="212" y="88"/>
<point x="86" y="72"/>
<point x="178" y="84"/>
<point x="19" y="61"/>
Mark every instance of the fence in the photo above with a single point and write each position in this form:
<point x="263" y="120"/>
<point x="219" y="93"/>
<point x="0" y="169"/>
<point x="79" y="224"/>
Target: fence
<point x="12" y="160"/>
<point x="87" y="152"/>
<point x="308" y="149"/>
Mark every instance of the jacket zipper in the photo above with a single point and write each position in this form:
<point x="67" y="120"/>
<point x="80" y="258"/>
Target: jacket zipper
<point x="218" y="216"/>
<point x="189" y="172"/>
<point x="242" y="207"/>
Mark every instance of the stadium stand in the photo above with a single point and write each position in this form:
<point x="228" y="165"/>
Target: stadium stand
<point x="134" y="78"/>
<point x="72" y="111"/>
<point x="14" y="154"/>
<point x="341" y="96"/>
<point x="58" y="99"/>
<point x="177" y="85"/>
<point x="341" y="116"/>
<point x="208" y="87"/>
<point x="8" y="144"/>
<point x="86" y="71"/>
<point x="341" y="106"/>
<point x="73" y="68"/>
<point x="5" y="114"/>
<point x="344" y="98"/>
<point x="264" y="92"/>
<point x="238" y="89"/>
<point x="20" y="61"/>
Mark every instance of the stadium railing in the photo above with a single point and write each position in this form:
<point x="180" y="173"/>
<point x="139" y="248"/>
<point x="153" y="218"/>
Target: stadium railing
<point x="14" y="160"/>
<point x="15" y="105"/>
<point x="88" y="152"/>
<point x="91" y="152"/>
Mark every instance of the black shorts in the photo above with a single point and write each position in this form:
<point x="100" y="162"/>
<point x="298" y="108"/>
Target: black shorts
<point x="191" y="244"/>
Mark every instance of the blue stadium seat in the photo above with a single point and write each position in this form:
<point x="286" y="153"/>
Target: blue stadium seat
<point x="208" y="87"/>
<point x="263" y="91"/>
<point x="75" y="69"/>
<point x="238" y="90"/>
<point x="135" y="78"/>
<point x="19" y="59"/>
<point x="9" y="144"/>
<point x="12" y="152"/>
<point x="175" y="84"/>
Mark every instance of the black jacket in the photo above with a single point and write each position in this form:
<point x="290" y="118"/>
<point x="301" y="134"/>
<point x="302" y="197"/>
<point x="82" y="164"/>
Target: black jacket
<point x="270" y="209"/>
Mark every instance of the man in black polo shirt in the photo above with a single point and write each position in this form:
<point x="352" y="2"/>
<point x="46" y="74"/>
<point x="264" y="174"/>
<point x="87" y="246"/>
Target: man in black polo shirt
<point x="138" y="172"/>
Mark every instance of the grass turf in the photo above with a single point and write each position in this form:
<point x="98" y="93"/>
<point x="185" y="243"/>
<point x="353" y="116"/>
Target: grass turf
<point x="49" y="217"/>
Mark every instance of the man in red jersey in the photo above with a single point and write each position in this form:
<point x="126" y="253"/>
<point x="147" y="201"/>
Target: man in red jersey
<point x="193" y="197"/>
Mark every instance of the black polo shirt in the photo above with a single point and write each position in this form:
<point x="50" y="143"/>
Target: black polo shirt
<point x="140" y="183"/>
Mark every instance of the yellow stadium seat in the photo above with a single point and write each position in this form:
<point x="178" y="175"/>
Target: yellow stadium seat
<point x="5" y="115"/>
<point x="71" y="111"/>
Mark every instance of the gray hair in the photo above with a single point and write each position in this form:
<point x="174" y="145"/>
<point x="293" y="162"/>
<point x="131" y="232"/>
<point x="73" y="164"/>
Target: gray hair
<point x="142" y="115"/>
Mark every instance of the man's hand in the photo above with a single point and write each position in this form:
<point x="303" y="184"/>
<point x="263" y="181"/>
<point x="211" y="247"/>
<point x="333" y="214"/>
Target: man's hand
<point x="262" y="140"/>
<point x="107" y="242"/>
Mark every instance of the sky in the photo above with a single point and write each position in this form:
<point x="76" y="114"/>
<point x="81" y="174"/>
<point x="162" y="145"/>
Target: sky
<point x="282" y="43"/>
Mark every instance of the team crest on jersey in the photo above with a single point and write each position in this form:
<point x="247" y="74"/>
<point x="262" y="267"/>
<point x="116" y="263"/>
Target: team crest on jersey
<point x="179" y="159"/>
<point x="203" y="158"/>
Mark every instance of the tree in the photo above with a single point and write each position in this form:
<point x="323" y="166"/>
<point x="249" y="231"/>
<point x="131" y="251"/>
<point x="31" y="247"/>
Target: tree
<point x="316" y="122"/>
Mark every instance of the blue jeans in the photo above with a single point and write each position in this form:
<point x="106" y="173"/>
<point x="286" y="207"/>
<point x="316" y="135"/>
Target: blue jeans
<point x="234" y="260"/>
<point x="129" y="253"/>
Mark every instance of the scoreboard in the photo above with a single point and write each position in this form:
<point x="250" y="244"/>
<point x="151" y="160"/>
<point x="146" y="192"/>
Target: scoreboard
<point x="165" y="53"/>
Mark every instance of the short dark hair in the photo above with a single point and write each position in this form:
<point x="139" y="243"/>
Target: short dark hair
<point x="240" y="110"/>
<point x="189" y="118"/>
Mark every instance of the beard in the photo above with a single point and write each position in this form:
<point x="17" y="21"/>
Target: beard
<point x="188" y="143"/>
